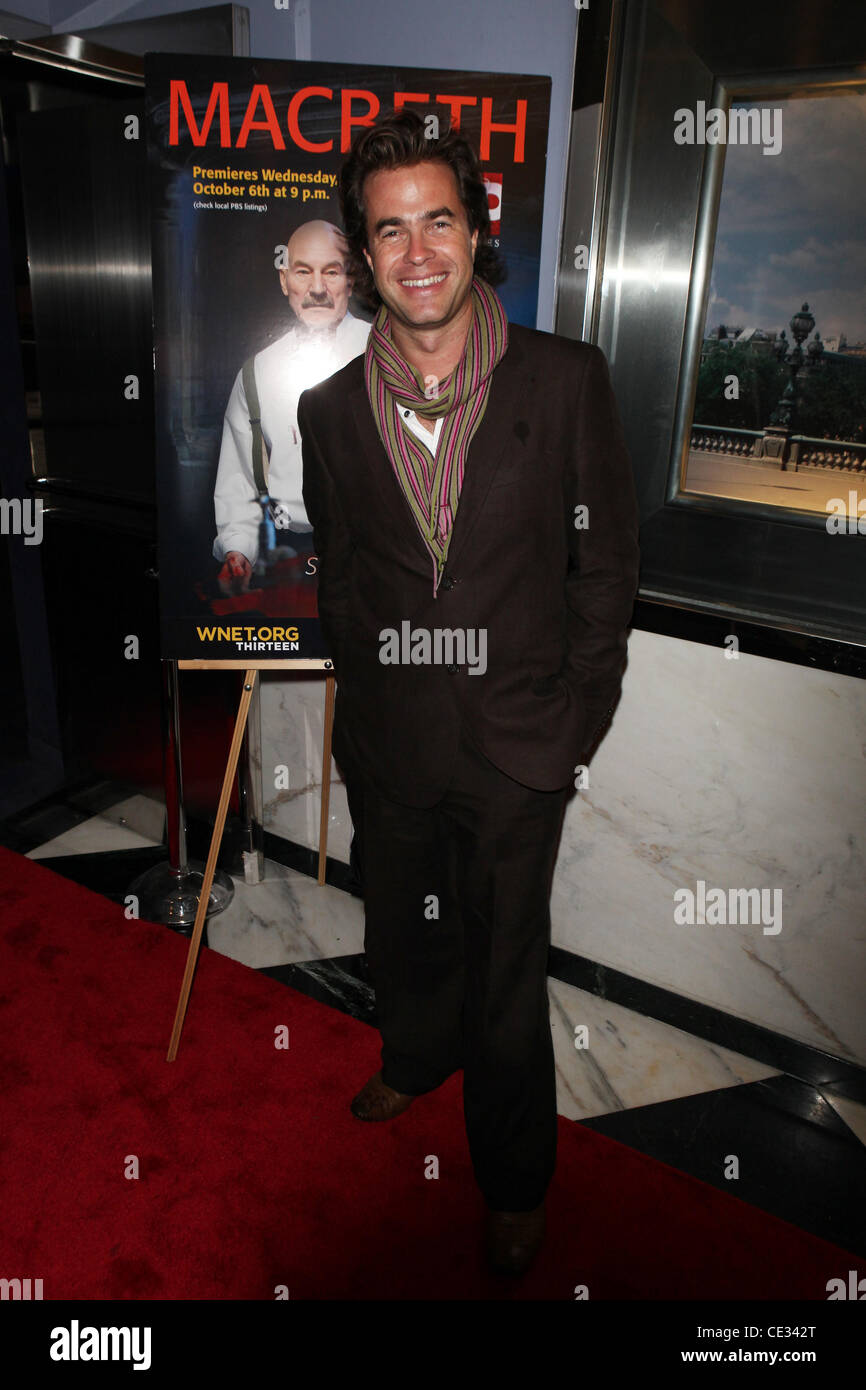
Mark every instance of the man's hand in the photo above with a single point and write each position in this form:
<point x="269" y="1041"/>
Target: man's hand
<point x="234" y="577"/>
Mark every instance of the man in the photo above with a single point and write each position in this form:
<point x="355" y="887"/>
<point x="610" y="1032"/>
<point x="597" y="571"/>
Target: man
<point x="323" y="337"/>
<point x="444" y="475"/>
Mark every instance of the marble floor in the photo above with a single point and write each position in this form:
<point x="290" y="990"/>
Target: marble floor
<point x="655" y="1087"/>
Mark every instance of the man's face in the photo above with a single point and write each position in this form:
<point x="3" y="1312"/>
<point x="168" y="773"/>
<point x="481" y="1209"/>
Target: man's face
<point x="420" y="247"/>
<point x="315" y="280"/>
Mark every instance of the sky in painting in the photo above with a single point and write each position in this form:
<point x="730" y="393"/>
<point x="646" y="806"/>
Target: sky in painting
<point x="792" y="226"/>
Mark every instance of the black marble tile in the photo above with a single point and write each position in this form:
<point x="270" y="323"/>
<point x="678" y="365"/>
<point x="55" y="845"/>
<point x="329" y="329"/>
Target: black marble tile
<point x="694" y="624"/>
<point x="109" y="872"/>
<point x="44" y="820"/>
<point x="36" y="826"/>
<point x="809" y="1064"/>
<point x="848" y="1090"/>
<point x="342" y="981"/>
<point x="98" y="796"/>
<point x="306" y="861"/>
<point x="286" y="852"/>
<point x="797" y="1158"/>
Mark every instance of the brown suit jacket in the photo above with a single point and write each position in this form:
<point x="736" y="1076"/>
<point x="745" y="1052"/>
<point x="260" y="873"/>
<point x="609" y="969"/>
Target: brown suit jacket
<point x="555" y="600"/>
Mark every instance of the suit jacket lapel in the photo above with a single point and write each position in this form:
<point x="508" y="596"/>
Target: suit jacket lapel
<point x="505" y="403"/>
<point x="496" y="431"/>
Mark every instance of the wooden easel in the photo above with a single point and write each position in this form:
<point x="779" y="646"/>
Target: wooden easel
<point x="250" y="677"/>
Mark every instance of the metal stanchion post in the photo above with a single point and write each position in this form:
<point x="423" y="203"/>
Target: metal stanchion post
<point x="250" y="793"/>
<point x="170" y="892"/>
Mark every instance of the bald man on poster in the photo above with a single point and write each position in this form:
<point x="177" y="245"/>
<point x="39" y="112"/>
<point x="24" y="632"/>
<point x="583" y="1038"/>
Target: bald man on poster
<point x="323" y="337"/>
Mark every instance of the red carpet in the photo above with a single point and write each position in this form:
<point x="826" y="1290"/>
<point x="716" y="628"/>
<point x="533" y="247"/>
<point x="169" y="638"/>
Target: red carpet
<point x="254" y="1174"/>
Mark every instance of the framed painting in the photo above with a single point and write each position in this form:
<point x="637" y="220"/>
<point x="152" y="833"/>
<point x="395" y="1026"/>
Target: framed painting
<point x="727" y="292"/>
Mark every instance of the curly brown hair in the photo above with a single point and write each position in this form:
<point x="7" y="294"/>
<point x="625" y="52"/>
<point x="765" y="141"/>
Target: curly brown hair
<point x="396" y="141"/>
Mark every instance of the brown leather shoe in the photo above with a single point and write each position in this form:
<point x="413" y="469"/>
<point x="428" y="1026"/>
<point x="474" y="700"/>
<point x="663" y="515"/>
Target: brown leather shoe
<point x="513" y="1239"/>
<point x="377" y="1101"/>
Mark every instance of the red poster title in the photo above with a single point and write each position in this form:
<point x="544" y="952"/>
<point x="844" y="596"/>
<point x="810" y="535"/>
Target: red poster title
<point x="357" y="108"/>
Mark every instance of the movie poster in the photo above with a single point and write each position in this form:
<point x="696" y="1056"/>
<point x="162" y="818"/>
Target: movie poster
<point x="252" y="304"/>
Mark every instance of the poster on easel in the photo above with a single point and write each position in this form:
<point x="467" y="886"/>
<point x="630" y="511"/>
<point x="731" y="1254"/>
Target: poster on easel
<point x="253" y="303"/>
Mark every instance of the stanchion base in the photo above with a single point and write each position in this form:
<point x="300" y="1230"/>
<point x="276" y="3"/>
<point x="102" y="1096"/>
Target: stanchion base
<point x="171" y="895"/>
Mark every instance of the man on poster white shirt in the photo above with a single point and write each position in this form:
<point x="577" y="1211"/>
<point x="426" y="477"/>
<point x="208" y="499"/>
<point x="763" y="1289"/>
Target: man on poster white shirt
<point x="323" y="338"/>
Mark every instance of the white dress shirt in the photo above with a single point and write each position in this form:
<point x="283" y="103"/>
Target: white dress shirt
<point x="283" y="370"/>
<point x="408" y="417"/>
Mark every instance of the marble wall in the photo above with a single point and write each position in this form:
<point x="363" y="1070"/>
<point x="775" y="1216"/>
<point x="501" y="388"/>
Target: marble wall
<point x="738" y="773"/>
<point x="292" y="730"/>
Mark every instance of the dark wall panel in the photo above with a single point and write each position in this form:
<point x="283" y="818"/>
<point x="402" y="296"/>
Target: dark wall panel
<point x="87" y="238"/>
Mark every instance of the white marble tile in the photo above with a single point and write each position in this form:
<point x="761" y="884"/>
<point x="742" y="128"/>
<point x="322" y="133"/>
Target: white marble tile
<point x="631" y="1060"/>
<point x="285" y="919"/>
<point x="293" y="709"/>
<point x="92" y="836"/>
<point x="745" y="773"/>
<point x="144" y="814"/>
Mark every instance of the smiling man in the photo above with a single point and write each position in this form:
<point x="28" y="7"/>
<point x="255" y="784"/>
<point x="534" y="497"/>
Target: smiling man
<point x="323" y="336"/>
<point x="466" y="476"/>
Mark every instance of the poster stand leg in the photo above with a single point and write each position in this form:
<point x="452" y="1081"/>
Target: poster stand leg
<point x="250" y="688"/>
<point x="195" y="941"/>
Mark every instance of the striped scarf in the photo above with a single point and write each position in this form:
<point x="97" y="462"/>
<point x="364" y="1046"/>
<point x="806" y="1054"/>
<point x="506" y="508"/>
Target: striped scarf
<point x="432" y="486"/>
